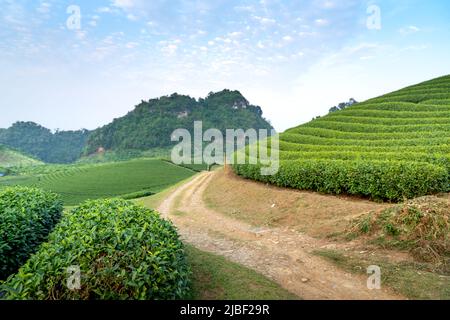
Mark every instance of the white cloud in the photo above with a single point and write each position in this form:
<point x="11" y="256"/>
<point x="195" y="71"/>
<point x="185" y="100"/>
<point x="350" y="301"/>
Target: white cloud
<point x="104" y="10"/>
<point x="131" y="45"/>
<point x="328" y="4"/>
<point x="132" y="17"/>
<point x="44" y="7"/>
<point x="265" y="21"/>
<point x="322" y="22"/>
<point x="409" y="30"/>
<point x="123" y="4"/>
<point x="235" y="34"/>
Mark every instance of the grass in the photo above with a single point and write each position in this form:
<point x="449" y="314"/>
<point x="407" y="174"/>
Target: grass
<point x="420" y="226"/>
<point x="216" y="278"/>
<point x="10" y="158"/>
<point x="413" y="280"/>
<point x="79" y="183"/>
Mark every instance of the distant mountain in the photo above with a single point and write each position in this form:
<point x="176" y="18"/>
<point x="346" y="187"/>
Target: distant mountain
<point x="151" y="123"/>
<point x="40" y="142"/>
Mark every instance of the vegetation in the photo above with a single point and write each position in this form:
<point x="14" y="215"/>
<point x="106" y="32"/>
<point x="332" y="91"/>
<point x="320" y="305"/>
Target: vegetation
<point x="10" y="158"/>
<point x="216" y="278"/>
<point x="124" y="155"/>
<point x="37" y="141"/>
<point x="375" y="179"/>
<point x="26" y="218"/>
<point x="413" y="280"/>
<point x="124" y="251"/>
<point x="76" y="184"/>
<point x="392" y="147"/>
<point x="421" y="226"/>
<point x="343" y="105"/>
<point x="151" y="123"/>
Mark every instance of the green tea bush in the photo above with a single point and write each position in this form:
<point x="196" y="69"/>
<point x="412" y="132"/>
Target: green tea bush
<point x="350" y="112"/>
<point x="304" y="139"/>
<point x="291" y="146"/>
<point x="383" y="180"/>
<point x="364" y="135"/>
<point x="124" y="251"/>
<point x="27" y="216"/>
<point x="383" y="121"/>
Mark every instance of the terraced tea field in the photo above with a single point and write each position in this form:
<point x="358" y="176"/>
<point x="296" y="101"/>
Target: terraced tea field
<point x="392" y="147"/>
<point x="76" y="184"/>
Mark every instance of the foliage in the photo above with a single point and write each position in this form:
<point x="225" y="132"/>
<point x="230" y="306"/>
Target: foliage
<point x="385" y="180"/>
<point x="26" y="218"/>
<point x="40" y="142"/>
<point x="392" y="147"/>
<point x="124" y="251"/>
<point x="76" y="184"/>
<point x="343" y="105"/>
<point x="151" y="123"/>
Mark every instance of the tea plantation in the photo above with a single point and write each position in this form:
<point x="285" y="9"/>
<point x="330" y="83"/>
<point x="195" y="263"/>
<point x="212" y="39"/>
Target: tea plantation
<point x="27" y="216"/>
<point x="121" y="250"/>
<point x="392" y="147"/>
<point x="129" y="179"/>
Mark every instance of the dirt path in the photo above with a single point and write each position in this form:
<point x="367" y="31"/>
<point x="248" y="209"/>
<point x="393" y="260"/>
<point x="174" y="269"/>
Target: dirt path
<point x="282" y="255"/>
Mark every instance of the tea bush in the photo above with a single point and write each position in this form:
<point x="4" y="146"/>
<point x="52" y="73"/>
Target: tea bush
<point x="384" y="180"/>
<point x="27" y="216"/>
<point x="124" y="251"/>
<point x="392" y="147"/>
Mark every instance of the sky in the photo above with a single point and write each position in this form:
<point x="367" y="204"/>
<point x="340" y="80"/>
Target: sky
<point x="79" y="64"/>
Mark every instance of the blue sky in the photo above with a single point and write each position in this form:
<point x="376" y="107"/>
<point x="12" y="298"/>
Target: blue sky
<point x="295" y="59"/>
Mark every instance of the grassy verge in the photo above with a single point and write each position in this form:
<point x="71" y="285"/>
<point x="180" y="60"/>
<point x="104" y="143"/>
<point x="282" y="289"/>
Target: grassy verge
<point x="412" y="280"/>
<point x="216" y="278"/>
<point x="155" y="200"/>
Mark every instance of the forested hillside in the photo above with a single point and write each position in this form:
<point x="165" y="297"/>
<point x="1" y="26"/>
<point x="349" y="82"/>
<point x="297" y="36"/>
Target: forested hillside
<point x="35" y="140"/>
<point x="151" y="123"/>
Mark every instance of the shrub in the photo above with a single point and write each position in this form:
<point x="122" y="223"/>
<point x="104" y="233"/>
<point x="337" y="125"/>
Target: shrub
<point x="384" y="180"/>
<point x="27" y="216"/>
<point x="124" y="251"/>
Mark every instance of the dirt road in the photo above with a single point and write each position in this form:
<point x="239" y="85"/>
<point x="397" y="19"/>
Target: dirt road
<point x="282" y="255"/>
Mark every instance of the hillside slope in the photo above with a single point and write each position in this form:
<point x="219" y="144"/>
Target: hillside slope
<point x="392" y="147"/>
<point x="151" y="123"/>
<point x="10" y="158"/>
<point x="40" y="142"/>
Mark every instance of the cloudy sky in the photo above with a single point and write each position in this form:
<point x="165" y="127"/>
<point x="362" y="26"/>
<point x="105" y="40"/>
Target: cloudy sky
<point x="79" y="64"/>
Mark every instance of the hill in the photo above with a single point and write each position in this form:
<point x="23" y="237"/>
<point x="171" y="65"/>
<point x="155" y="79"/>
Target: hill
<point x="152" y="122"/>
<point x="40" y="142"/>
<point x="10" y="158"/>
<point x="391" y="147"/>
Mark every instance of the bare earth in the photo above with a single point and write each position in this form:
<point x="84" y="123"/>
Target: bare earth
<point x="280" y="253"/>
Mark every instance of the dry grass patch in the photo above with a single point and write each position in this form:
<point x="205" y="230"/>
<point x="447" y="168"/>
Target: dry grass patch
<point x="421" y="226"/>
